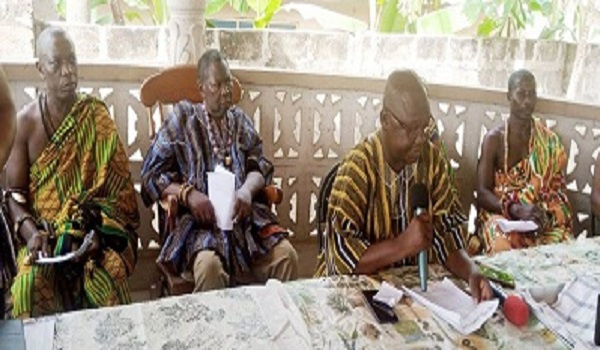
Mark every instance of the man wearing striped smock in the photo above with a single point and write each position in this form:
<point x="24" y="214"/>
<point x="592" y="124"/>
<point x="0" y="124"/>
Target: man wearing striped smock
<point x="370" y="225"/>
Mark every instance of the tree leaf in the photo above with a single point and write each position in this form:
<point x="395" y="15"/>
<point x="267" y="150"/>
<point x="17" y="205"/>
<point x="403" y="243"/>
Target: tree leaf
<point x="388" y="16"/>
<point x="486" y="27"/>
<point x="61" y="8"/>
<point x="264" y="20"/>
<point x="535" y="6"/>
<point x="131" y="15"/>
<point x="240" y="5"/>
<point x="161" y="11"/>
<point x="214" y="6"/>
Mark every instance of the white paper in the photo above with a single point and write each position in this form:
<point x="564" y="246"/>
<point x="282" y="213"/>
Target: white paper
<point x="39" y="334"/>
<point x="54" y="259"/>
<point x="388" y="295"/>
<point x="517" y="225"/>
<point x="282" y="317"/>
<point x="452" y="305"/>
<point x="221" y="192"/>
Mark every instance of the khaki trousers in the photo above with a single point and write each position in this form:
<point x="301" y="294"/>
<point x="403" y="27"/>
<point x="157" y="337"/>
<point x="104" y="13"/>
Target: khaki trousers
<point x="281" y="263"/>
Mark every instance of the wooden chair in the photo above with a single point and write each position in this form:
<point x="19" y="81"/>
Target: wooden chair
<point x="166" y="87"/>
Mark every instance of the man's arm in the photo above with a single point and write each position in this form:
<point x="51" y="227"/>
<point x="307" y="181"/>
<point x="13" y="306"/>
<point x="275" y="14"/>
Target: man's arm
<point x="417" y="236"/>
<point x="7" y="120"/>
<point x="486" y="198"/>
<point x="596" y="189"/>
<point x="17" y="173"/>
<point x="462" y="266"/>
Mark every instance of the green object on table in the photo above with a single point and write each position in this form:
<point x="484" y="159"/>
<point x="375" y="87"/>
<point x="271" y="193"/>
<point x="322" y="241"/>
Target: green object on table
<point x="498" y="276"/>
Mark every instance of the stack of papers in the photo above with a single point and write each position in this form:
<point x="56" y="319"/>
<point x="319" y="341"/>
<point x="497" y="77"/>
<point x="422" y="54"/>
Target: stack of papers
<point x="454" y="306"/>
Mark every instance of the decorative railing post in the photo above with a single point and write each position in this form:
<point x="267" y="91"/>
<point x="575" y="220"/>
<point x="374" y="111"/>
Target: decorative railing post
<point x="186" y="30"/>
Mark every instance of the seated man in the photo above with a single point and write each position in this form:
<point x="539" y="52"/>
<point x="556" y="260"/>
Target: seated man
<point x="370" y="226"/>
<point x="520" y="176"/>
<point x="596" y="192"/>
<point x="68" y="175"/>
<point x="192" y="142"/>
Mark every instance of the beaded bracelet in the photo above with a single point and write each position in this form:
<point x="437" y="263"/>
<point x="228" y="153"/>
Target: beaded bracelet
<point x="184" y="191"/>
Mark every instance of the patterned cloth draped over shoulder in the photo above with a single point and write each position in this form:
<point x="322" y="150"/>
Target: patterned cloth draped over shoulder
<point x="84" y="165"/>
<point x="537" y="179"/>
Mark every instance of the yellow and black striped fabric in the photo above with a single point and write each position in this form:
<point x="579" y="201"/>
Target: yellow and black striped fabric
<point x="362" y="206"/>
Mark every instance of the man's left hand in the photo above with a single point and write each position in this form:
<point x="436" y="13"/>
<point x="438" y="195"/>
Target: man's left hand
<point x="479" y="287"/>
<point x="243" y="205"/>
<point x="93" y="250"/>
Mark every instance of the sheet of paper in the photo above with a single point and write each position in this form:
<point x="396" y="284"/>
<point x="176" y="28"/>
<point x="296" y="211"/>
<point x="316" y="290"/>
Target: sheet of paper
<point x="388" y="294"/>
<point x="517" y="225"/>
<point x="39" y="334"/>
<point x="54" y="259"/>
<point x="282" y="317"/>
<point x="452" y="305"/>
<point x="221" y="192"/>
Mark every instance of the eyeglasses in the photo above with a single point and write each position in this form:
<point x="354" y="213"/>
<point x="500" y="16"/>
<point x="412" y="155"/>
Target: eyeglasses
<point x="411" y="132"/>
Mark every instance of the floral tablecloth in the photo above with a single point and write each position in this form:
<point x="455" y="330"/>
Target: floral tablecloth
<point x="327" y="313"/>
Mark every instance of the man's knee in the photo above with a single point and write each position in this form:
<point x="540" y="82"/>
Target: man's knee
<point x="286" y="258"/>
<point x="209" y="272"/>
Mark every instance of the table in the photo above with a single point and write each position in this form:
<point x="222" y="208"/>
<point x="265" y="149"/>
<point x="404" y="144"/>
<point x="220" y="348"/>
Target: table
<point x="330" y="310"/>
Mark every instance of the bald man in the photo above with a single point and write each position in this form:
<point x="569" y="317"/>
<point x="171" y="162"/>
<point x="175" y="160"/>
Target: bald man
<point x="521" y="176"/>
<point x="68" y="176"/>
<point x="370" y="225"/>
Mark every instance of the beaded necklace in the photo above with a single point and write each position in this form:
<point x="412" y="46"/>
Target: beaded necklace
<point x="220" y="137"/>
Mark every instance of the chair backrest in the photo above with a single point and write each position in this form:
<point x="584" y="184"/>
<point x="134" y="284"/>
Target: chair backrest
<point x="323" y="202"/>
<point x="175" y="84"/>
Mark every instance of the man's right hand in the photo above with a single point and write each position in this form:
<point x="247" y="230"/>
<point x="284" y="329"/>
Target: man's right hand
<point x="418" y="235"/>
<point x="528" y="212"/>
<point x="37" y="243"/>
<point x="201" y="208"/>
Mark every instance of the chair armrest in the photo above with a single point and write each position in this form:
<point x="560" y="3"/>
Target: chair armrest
<point x="273" y="194"/>
<point x="171" y="207"/>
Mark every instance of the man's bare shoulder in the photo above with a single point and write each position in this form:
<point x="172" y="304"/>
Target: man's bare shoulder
<point x="27" y="117"/>
<point x="494" y="136"/>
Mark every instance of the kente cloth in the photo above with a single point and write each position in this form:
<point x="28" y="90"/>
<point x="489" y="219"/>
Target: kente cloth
<point x="84" y="164"/>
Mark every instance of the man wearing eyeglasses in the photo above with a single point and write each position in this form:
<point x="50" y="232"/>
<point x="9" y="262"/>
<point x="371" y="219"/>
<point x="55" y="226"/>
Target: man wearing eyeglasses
<point x="195" y="139"/>
<point x="370" y="225"/>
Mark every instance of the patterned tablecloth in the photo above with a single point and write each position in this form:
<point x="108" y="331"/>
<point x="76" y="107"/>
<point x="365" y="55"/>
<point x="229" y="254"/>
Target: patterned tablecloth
<point x="324" y="313"/>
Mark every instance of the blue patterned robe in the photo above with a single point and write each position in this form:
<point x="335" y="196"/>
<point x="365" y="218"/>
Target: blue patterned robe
<point x="181" y="152"/>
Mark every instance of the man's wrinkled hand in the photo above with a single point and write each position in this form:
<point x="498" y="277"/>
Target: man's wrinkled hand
<point x="201" y="208"/>
<point x="243" y="205"/>
<point x="479" y="287"/>
<point x="529" y="212"/>
<point x="37" y="243"/>
<point x="419" y="234"/>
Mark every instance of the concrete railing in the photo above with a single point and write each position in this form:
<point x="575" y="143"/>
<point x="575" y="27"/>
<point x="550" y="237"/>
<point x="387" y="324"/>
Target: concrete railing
<point x="309" y="121"/>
